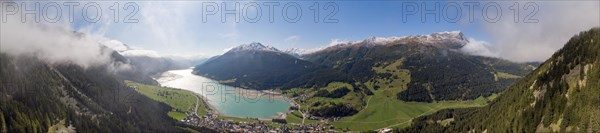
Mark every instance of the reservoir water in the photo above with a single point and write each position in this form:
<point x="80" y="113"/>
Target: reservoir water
<point x="227" y="100"/>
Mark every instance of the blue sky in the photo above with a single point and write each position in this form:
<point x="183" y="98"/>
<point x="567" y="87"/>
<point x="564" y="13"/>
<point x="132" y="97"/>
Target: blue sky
<point x="182" y="22"/>
<point x="177" y="28"/>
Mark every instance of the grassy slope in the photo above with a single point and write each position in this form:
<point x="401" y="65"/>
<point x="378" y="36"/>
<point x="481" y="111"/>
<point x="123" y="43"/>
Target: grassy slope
<point x="385" y="111"/>
<point x="390" y="85"/>
<point x="182" y="101"/>
<point x="314" y="103"/>
<point x="352" y="98"/>
<point x="381" y="109"/>
<point x="503" y="75"/>
<point x="398" y="80"/>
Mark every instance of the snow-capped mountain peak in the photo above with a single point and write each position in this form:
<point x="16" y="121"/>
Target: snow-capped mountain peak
<point x="296" y="52"/>
<point x="452" y="39"/>
<point x="453" y="35"/>
<point x="255" y="46"/>
<point x="382" y="40"/>
<point x="447" y="39"/>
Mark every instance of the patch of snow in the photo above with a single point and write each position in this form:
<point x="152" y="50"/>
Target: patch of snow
<point x="296" y="52"/>
<point x="382" y="40"/>
<point x="448" y="39"/>
<point x="116" y="45"/>
<point x="254" y="46"/>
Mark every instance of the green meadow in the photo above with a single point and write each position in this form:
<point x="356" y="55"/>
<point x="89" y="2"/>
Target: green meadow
<point x="182" y="101"/>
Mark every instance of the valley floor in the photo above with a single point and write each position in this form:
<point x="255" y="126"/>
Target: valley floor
<point x="380" y="111"/>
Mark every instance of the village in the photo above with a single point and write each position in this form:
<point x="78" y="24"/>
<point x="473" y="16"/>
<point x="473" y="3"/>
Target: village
<point x="212" y="121"/>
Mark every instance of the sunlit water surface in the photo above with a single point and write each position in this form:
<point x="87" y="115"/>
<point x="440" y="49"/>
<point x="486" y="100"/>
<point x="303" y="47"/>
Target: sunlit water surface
<point x="224" y="98"/>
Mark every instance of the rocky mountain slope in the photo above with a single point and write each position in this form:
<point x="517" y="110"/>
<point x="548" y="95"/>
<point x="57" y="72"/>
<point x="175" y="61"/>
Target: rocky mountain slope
<point x="437" y="68"/>
<point x="560" y="96"/>
<point x="257" y="66"/>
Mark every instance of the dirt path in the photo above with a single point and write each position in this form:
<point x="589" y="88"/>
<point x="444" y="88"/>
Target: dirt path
<point x="366" y="106"/>
<point x="197" y="104"/>
<point x="303" y="117"/>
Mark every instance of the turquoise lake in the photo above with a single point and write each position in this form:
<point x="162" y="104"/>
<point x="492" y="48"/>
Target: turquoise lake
<point x="227" y="100"/>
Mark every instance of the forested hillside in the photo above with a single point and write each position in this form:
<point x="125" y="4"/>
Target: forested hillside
<point x="435" y="73"/>
<point x="413" y="69"/>
<point x="267" y="69"/>
<point x="40" y="97"/>
<point x="562" y="95"/>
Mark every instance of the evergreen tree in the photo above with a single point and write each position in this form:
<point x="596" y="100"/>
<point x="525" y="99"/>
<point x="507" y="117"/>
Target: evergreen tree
<point x="3" y="129"/>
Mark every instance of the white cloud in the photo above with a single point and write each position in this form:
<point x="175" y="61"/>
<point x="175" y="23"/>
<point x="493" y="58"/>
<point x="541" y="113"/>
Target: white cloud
<point x="115" y="45"/>
<point x="141" y="52"/>
<point x="55" y="43"/>
<point x="232" y="35"/>
<point x="165" y="27"/>
<point x="128" y="51"/>
<point x="481" y="48"/>
<point x="558" y="21"/>
<point x="166" y="22"/>
<point x="293" y="38"/>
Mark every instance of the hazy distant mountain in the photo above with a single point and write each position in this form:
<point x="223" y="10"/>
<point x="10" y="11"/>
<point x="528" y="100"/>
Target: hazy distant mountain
<point x="151" y="65"/>
<point x="146" y="61"/>
<point x="258" y="66"/>
<point x="189" y="61"/>
<point x="438" y="69"/>
<point x="134" y="74"/>
<point x="560" y="96"/>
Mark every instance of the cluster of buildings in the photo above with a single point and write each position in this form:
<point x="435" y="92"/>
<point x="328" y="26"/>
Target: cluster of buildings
<point x="312" y="128"/>
<point x="221" y="125"/>
<point x="212" y="121"/>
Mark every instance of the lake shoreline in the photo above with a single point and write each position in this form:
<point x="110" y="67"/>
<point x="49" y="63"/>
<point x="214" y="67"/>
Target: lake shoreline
<point x="241" y="92"/>
<point x="249" y="93"/>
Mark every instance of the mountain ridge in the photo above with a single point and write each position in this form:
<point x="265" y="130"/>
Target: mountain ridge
<point x="437" y="72"/>
<point x="263" y="67"/>
<point x="560" y="96"/>
<point x="452" y="40"/>
<point x="255" y="46"/>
